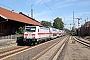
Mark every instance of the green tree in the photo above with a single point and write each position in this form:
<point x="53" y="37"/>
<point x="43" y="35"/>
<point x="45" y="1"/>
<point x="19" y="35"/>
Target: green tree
<point x="67" y="31"/>
<point x="20" y="30"/>
<point x="58" y="23"/>
<point x="46" y="23"/>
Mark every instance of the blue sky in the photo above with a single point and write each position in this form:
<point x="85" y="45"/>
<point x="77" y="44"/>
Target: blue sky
<point x="48" y="10"/>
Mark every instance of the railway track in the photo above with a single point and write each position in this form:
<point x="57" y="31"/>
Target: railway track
<point x="52" y="52"/>
<point x="82" y="41"/>
<point x="11" y="51"/>
<point x="27" y="53"/>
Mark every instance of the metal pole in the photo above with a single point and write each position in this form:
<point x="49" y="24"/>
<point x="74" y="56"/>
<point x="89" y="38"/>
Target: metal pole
<point x="31" y="12"/>
<point x="73" y="19"/>
<point x="87" y="18"/>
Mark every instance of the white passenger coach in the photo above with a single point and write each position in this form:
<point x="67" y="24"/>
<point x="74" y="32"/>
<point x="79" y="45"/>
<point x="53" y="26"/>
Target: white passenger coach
<point x="37" y="34"/>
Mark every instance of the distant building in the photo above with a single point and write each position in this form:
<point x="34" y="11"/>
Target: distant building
<point x="11" y="21"/>
<point x="84" y="30"/>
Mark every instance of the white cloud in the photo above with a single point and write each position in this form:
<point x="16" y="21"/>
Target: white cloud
<point x="38" y="1"/>
<point x="44" y="15"/>
<point x="70" y="0"/>
<point x="41" y="1"/>
<point x="66" y="1"/>
<point x="64" y="5"/>
<point x="82" y="14"/>
<point x="85" y="3"/>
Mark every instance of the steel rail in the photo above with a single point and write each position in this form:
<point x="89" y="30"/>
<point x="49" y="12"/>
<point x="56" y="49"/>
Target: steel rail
<point x="61" y="43"/>
<point x="12" y="51"/>
<point x="21" y="54"/>
<point x="82" y="42"/>
<point x="58" y="52"/>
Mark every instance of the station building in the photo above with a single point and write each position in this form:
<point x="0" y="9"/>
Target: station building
<point x="10" y="21"/>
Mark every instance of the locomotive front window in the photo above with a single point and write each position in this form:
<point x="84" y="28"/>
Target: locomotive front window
<point x="30" y="29"/>
<point x="27" y="30"/>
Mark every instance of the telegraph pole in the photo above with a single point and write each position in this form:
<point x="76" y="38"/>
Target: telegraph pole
<point x="31" y="12"/>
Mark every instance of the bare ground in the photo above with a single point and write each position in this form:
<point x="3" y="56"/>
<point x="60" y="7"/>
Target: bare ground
<point x="75" y="51"/>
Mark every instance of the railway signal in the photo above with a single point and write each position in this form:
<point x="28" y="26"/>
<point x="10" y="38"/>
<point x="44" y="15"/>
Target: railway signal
<point x="78" y="21"/>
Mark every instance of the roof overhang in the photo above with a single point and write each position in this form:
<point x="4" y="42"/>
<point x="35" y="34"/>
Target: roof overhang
<point x="4" y="19"/>
<point x="3" y="16"/>
<point x="6" y="15"/>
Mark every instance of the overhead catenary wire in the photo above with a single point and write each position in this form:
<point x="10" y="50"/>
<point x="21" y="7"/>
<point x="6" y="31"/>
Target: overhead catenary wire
<point x="25" y="8"/>
<point x="55" y="7"/>
<point x="6" y="6"/>
<point x="13" y="8"/>
<point x="9" y="7"/>
<point x="84" y="14"/>
<point x="21" y="5"/>
<point x="49" y="8"/>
